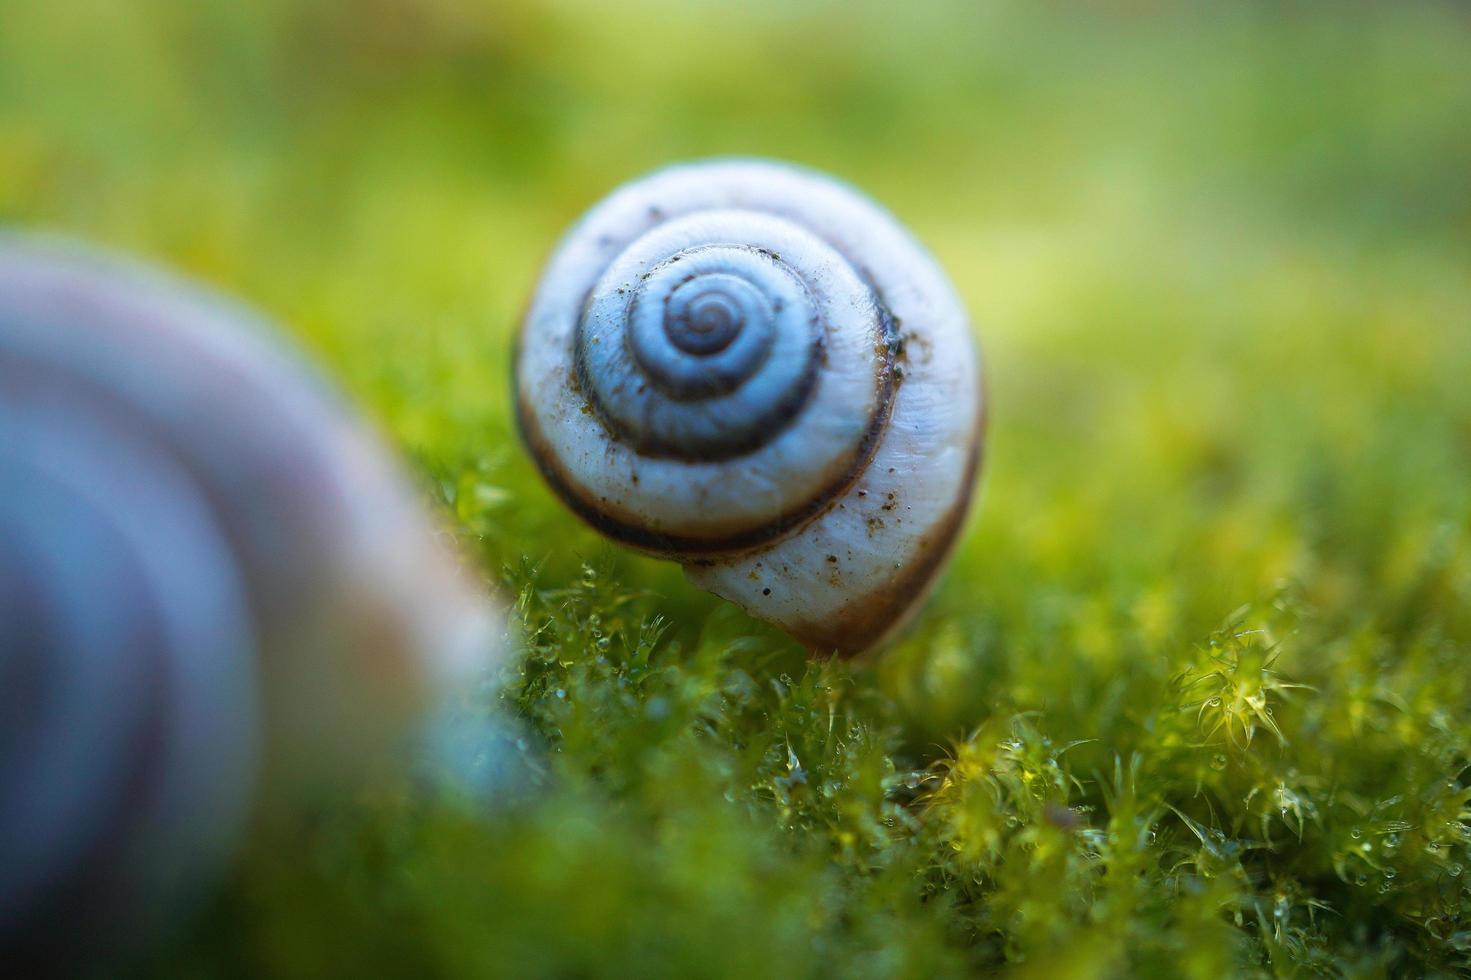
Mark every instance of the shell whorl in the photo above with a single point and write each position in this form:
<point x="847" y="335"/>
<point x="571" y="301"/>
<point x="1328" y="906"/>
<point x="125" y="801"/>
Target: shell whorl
<point x="736" y="362"/>
<point x="126" y="732"/>
<point x="703" y="341"/>
<point x="214" y="583"/>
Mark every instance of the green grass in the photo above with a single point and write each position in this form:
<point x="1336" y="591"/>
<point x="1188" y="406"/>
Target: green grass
<point x="1193" y="698"/>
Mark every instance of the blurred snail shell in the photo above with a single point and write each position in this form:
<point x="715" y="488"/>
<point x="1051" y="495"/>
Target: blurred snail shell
<point x="755" y="370"/>
<point x="213" y="582"/>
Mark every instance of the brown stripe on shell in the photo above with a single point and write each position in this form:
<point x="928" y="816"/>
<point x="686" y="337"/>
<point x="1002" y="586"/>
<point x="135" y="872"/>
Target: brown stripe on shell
<point x="783" y="414"/>
<point x="627" y="528"/>
<point x="868" y="618"/>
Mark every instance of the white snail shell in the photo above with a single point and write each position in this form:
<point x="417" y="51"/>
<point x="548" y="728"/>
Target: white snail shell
<point x="755" y="370"/>
<point x="213" y="580"/>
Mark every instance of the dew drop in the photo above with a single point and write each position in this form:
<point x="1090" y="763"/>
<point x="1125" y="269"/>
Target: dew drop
<point x="1218" y="761"/>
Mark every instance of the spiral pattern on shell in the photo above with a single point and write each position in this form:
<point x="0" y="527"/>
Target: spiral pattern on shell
<point x="752" y="368"/>
<point x="214" y="582"/>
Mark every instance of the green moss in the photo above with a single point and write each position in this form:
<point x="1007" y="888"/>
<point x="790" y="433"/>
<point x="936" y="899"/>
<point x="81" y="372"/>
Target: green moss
<point x="1193" y="698"/>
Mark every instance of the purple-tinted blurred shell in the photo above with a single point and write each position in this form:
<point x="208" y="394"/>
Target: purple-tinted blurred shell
<point x="129" y="735"/>
<point x="212" y="578"/>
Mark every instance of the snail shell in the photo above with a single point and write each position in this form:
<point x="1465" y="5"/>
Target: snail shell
<point x="755" y="370"/>
<point x="213" y="582"/>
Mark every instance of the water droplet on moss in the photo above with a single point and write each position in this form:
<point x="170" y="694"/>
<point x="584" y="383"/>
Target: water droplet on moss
<point x="1218" y="761"/>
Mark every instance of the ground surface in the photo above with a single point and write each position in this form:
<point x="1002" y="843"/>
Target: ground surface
<point x="1193" y="697"/>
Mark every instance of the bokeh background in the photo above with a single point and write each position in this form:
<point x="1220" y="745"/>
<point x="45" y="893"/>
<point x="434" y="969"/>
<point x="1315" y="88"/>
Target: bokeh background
<point x="1219" y="261"/>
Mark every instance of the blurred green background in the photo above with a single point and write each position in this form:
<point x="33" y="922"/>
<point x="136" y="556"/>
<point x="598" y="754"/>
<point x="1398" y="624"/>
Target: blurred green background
<point x="1219" y="260"/>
